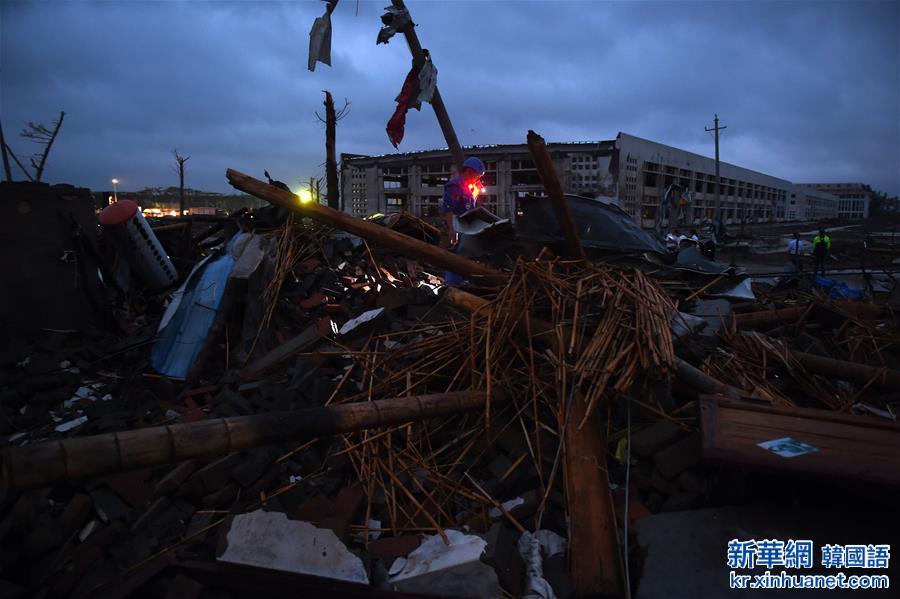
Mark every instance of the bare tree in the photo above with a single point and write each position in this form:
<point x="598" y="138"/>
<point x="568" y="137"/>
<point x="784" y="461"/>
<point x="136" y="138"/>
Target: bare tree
<point x="44" y="136"/>
<point x="330" y="120"/>
<point x="6" y="170"/>
<point x="179" y="168"/>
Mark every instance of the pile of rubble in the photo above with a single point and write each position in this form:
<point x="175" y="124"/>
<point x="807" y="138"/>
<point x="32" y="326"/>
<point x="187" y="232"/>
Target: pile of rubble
<point x="339" y="421"/>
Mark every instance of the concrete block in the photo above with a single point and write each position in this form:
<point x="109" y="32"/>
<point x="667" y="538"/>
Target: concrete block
<point x="270" y="540"/>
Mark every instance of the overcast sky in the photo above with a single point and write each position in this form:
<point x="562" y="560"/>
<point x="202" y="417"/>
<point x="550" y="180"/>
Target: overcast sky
<point x="809" y="91"/>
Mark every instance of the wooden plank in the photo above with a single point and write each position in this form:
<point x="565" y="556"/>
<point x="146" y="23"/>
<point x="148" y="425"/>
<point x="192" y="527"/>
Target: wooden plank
<point x="595" y="563"/>
<point x="849" y="447"/>
<point x="293" y="346"/>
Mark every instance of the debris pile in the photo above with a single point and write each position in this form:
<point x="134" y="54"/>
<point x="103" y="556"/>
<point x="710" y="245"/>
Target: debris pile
<point x="342" y="415"/>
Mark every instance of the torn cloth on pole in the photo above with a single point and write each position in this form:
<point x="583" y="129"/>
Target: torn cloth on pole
<point x="418" y="87"/>
<point x="406" y="100"/>
<point x="427" y="82"/>
<point x="320" y="41"/>
<point x="394" y="20"/>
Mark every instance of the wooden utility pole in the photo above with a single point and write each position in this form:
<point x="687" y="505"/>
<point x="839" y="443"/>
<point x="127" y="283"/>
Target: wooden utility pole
<point x="440" y="111"/>
<point x="42" y="464"/>
<point x="179" y="168"/>
<point x="715" y="129"/>
<point x="6" y="170"/>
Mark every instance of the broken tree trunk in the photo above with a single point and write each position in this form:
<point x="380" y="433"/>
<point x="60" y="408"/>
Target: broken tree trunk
<point x="7" y="173"/>
<point x="437" y="103"/>
<point x="331" y="177"/>
<point x="544" y="165"/>
<point x="39" y="168"/>
<point x="365" y="229"/>
<point x="42" y="464"/>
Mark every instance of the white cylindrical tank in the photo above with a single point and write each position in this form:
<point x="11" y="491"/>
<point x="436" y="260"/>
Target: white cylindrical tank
<point x="133" y="236"/>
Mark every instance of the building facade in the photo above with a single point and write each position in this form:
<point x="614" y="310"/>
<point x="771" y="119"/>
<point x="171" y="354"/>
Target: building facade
<point x="650" y="168"/>
<point x="632" y="172"/>
<point x="853" y="198"/>
<point x="811" y="204"/>
<point x="415" y="181"/>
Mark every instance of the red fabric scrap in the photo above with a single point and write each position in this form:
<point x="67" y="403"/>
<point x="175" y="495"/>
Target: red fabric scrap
<point x="408" y="93"/>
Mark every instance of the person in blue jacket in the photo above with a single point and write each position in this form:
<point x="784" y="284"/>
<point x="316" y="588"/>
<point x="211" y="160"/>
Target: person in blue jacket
<point x="460" y="194"/>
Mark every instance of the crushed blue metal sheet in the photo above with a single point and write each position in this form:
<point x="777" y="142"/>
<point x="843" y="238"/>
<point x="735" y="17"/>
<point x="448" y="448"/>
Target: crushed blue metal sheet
<point x="190" y="315"/>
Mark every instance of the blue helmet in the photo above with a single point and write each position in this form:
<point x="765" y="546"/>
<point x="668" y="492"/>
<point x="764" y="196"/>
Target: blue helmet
<point x="475" y="164"/>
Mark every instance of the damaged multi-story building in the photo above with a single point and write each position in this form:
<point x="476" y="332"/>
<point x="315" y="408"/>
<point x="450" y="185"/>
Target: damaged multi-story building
<point x="853" y="198"/>
<point x="632" y="172"/>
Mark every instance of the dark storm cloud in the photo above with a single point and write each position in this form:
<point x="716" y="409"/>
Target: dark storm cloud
<point x="809" y="91"/>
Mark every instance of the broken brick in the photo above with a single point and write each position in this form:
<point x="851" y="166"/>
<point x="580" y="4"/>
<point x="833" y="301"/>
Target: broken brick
<point x="393" y="547"/>
<point x="679" y="456"/>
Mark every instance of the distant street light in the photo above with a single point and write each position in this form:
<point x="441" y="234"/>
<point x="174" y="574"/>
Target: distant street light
<point x="115" y="183"/>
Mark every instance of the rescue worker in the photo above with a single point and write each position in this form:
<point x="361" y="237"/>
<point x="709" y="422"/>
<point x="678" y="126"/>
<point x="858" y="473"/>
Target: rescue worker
<point x="672" y="240"/>
<point x="793" y="248"/>
<point x="821" y="247"/>
<point x="460" y="194"/>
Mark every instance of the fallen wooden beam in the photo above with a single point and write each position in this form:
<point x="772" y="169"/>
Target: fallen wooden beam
<point x="767" y="318"/>
<point x="293" y="346"/>
<point x="42" y="464"/>
<point x="701" y="381"/>
<point x="847" y="446"/>
<point x="544" y="165"/>
<point x="367" y="230"/>
<point x="861" y="374"/>
<point x="595" y="561"/>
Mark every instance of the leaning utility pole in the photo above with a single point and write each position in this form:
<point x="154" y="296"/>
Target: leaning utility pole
<point x="440" y="111"/>
<point x="718" y="213"/>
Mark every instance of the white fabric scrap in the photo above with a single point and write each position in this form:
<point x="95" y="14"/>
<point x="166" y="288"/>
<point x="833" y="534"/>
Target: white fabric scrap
<point x="320" y="41"/>
<point x="534" y="548"/>
<point x="427" y="82"/>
